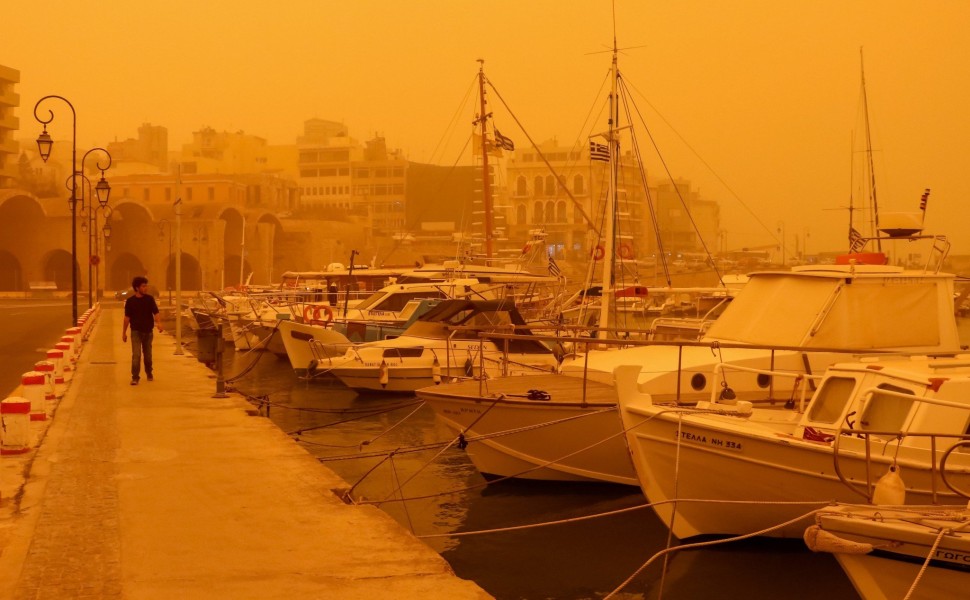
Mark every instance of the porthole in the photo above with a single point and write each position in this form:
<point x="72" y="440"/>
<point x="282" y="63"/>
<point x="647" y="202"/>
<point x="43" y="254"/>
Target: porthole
<point x="698" y="381"/>
<point x="764" y="380"/>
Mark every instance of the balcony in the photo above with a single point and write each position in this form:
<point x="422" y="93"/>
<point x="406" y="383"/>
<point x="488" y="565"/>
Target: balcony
<point x="9" y="122"/>
<point x="9" y="98"/>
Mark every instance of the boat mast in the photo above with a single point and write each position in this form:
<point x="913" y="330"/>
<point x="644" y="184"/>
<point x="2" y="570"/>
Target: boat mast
<point x="486" y="180"/>
<point x="609" y="227"/>
<point x="874" y="219"/>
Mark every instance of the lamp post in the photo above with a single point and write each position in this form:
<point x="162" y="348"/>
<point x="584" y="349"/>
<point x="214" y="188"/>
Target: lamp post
<point x="103" y="192"/>
<point x="161" y="236"/>
<point x="781" y="232"/>
<point x="44" y="145"/>
<point x="89" y="226"/>
<point x="200" y="237"/>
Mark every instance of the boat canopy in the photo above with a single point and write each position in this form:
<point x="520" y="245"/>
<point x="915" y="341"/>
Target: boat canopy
<point x="863" y="309"/>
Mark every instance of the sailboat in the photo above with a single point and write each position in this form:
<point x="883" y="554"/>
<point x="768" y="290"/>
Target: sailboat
<point x="798" y="322"/>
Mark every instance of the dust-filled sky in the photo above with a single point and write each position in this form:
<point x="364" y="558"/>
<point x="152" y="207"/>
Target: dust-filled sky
<point x="766" y="93"/>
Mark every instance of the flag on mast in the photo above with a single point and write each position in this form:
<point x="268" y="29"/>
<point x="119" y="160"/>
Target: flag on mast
<point x="503" y="142"/>
<point x="923" y="199"/>
<point x="856" y="241"/>
<point x="599" y="152"/>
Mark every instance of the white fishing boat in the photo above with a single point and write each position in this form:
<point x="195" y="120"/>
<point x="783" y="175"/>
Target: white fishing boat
<point x="736" y="466"/>
<point x="919" y="553"/>
<point x="449" y="341"/>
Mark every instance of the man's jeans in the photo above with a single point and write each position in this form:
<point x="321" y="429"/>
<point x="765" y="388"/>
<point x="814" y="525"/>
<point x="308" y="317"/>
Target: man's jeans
<point x="141" y="343"/>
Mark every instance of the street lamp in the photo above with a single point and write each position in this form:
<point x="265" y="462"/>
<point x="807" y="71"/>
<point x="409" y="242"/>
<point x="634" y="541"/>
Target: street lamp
<point x="44" y="146"/>
<point x="89" y="226"/>
<point x="161" y="236"/>
<point x="781" y="232"/>
<point x="103" y="192"/>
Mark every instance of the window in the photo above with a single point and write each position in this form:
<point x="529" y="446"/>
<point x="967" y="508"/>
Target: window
<point x="212" y="193"/>
<point x="537" y="186"/>
<point x="520" y="186"/>
<point x="561" y="212"/>
<point x="884" y="412"/>
<point x="578" y="185"/>
<point x="361" y="173"/>
<point x="537" y="213"/>
<point x="520" y="217"/>
<point x="550" y="212"/>
<point x="830" y="399"/>
<point x="550" y="185"/>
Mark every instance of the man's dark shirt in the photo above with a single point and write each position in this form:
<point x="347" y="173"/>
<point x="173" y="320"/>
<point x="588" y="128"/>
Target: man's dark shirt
<point x="141" y="312"/>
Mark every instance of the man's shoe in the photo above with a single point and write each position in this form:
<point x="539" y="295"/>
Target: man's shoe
<point x="151" y="378"/>
<point x="134" y="381"/>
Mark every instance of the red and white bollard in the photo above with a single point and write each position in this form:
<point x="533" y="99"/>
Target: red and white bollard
<point x="32" y="385"/>
<point x="68" y="359"/>
<point x="48" y="369"/>
<point x="57" y="357"/>
<point x="15" y="415"/>
<point x="75" y="343"/>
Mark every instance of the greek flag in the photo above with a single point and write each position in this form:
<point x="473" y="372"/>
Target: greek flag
<point x="554" y="269"/>
<point x="599" y="152"/>
<point x="923" y="199"/>
<point x="503" y="142"/>
<point x="856" y="241"/>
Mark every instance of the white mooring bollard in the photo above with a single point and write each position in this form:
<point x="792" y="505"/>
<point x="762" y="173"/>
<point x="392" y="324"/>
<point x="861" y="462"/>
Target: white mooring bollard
<point x="15" y="415"/>
<point x="75" y="345"/>
<point x="48" y="369"/>
<point x="57" y="357"/>
<point x="32" y="384"/>
<point x="68" y="359"/>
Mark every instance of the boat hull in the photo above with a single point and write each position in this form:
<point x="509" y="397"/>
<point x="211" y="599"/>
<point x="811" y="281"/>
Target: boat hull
<point x="553" y="439"/>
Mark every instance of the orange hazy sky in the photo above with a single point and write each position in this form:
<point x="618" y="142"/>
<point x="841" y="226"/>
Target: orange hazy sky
<point x="767" y="93"/>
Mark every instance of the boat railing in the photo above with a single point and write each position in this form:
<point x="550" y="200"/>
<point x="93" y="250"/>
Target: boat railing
<point x="720" y="369"/>
<point x="936" y="467"/>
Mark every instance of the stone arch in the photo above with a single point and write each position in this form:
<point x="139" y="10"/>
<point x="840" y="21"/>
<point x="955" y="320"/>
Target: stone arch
<point x="11" y="274"/>
<point x="57" y="268"/>
<point x="537" y="212"/>
<point x="191" y="273"/>
<point x="550" y="212"/>
<point x="537" y="185"/>
<point x="232" y="270"/>
<point x="124" y="267"/>
<point x="560" y="212"/>
<point x="269" y="229"/>
<point x="232" y="240"/>
<point x="520" y="215"/>
<point x="550" y="185"/>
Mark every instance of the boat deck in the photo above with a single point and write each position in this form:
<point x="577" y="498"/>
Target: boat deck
<point x="560" y="388"/>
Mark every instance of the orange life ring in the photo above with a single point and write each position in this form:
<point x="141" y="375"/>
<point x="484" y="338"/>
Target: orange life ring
<point x="307" y="313"/>
<point x="626" y="252"/>
<point x="316" y="315"/>
<point x="599" y="252"/>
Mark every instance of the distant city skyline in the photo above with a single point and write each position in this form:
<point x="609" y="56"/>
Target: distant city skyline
<point x="767" y="95"/>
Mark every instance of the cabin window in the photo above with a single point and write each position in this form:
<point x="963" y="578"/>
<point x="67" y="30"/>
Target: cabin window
<point x="397" y="302"/>
<point x="830" y="399"/>
<point x="403" y="352"/>
<point x="886" y="412"/>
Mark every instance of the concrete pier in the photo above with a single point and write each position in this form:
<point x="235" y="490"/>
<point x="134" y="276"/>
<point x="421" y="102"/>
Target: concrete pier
<point x="161" y="491"/>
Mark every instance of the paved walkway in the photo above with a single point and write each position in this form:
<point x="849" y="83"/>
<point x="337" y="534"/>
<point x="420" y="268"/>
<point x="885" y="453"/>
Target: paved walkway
<point x="160" y="491"/>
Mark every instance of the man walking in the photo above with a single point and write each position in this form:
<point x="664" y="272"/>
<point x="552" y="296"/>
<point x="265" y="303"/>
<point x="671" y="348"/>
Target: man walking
<point x="141" y="313"/>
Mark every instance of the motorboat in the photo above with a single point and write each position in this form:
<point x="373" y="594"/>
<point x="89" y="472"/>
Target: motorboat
<point x="730" y="466"/>
<point x="450" y="341"/>
<point x="919" y="552"/>
<point x="797" y="322"/>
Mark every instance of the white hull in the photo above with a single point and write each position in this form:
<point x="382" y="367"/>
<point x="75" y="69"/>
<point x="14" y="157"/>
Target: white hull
<point x="589" y="446"/>
<point x="902" y="541"/>
<point x="711" y="464"/>
<point x="296" y="338"/>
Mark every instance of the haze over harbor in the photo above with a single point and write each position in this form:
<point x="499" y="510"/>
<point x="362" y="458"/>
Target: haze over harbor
<point x="767" y="94"/>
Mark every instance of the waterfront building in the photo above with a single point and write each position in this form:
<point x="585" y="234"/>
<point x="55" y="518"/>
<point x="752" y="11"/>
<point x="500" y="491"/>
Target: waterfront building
<point x="9" y="123"/>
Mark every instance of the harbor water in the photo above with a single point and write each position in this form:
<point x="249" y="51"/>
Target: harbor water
<point x="355" y="434"/>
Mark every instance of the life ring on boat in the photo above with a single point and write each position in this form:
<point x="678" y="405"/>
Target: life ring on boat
<point x="626" y="252"/>
<point x="599" y="252"/>
<point x="316" y="315"/>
